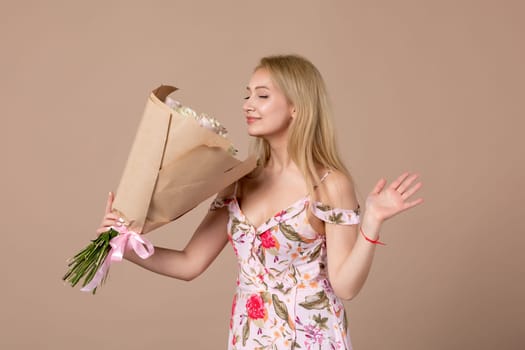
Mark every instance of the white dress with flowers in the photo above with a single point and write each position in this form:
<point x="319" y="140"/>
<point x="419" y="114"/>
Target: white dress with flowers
<point x="284" y="299"/>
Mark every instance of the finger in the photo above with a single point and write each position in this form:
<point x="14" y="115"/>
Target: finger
<point x="114" y="221"/>
<point x="109" y="203"/>
<point x="395" y="184"/>
<point x="411" y="191"/>
<point x="102" y="230"/>
<point x="406" y="183"/>
<point x="379" y="186"/>
<point x="110" y="222"/>
<point x="107" y="224"/>
<point x="111" y="216"/>
<point x="413" y="203"/>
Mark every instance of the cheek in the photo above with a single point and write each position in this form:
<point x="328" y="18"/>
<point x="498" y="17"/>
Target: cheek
<point x="266" y="109"/>
<point x="274" y="109"/>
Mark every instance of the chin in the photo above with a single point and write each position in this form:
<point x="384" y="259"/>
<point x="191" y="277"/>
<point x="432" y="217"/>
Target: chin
<point x="254" y="132"/>
<point x="265" y="133"/>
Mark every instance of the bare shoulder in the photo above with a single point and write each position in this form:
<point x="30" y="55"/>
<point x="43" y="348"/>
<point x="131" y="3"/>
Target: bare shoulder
<point x="249" y="182"/>
<point x="236" y="188"/>
<point x="228" y="191"/>
<point x="337" y="190"/>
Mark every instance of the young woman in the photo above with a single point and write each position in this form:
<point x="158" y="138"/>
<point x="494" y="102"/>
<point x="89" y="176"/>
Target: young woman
<point x="294" y="223"/>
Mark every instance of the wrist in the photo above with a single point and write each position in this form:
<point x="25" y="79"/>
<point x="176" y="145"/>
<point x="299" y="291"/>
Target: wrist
<point x="128" y="252"/>
<point x="370" y="223"/>
<point x="370" y="229"/>
<point x="368" y="239"/>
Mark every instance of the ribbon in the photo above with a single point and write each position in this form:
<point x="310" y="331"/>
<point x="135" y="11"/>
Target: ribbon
<point x="142" y="247"/>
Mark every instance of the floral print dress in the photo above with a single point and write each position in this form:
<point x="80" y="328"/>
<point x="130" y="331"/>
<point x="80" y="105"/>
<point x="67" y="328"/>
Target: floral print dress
<point x="283" y="298"/>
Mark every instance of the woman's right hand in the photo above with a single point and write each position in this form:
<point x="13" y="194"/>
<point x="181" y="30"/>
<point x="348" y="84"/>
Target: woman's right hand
<point x="109" y="219"/>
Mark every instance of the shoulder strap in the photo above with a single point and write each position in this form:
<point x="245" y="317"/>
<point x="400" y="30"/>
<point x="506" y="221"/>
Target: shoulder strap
<point x="220" y="202"/>
<point x="235" y="188"/>
<point x="322" y="179"/>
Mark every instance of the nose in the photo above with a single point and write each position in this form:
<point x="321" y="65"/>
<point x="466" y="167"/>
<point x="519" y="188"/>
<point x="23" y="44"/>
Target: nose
<point x="247" y="106"/>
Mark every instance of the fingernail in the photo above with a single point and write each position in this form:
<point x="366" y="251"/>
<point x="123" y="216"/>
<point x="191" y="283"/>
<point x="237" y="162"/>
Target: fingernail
<point x="119" y="224"/>
<point x="121" y="219"/>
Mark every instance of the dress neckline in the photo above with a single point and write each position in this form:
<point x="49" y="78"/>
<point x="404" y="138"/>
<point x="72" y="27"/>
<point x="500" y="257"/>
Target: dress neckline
<point x="280" y="213"/>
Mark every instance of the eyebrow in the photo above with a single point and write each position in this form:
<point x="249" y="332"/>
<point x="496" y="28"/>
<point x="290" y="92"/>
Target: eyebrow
<point x="258" y="87"/>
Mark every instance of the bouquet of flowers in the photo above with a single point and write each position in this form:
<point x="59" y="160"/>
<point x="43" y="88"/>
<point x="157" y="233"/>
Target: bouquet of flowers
<point x="178" y="159"/>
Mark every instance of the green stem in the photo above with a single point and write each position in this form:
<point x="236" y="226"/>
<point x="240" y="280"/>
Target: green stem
<point x="88" y="260"/>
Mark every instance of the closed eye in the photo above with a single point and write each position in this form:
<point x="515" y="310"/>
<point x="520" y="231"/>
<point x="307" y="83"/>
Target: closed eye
<point x="261" y="96"/>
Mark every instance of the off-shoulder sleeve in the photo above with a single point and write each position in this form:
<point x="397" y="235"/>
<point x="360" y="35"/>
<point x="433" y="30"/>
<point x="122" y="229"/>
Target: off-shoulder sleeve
<point x="335" y="215"/>
<point x="220" y="202"/>
<point x="224" y="198"/>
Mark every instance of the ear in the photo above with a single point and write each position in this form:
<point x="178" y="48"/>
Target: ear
<point x="292" y="112"/>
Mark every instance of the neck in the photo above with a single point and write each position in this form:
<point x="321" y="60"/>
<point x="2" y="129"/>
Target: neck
<point x="280" y="159"/>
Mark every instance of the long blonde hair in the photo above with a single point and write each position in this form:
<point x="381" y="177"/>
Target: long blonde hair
<point x="311" y="137"/>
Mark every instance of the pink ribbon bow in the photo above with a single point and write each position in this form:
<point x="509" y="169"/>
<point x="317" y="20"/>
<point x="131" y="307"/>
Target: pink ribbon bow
<point x="140" y="245"/>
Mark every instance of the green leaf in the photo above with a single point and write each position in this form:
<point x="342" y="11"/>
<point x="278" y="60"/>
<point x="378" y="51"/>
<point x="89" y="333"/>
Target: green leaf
<point x="320" y="321"/>
<point x="336" y="218"/>
<point x="259" y="322"/>
<point x="235" y="225"/>
<point x="266" y="297"/>
<point x="296" y="345"/>
<point x="245" y="332"/>
<point x="293" y="275"/>
<point x="289" y="232"/>
<point x="273" y="251"/>
<point x="280" y="307"/>
<point x="261" y="255"/>
<point x="279" y="286"/>
<point x="317" y="301"/>
<point x="315" y="254"/>
<point x="323" y="207"/>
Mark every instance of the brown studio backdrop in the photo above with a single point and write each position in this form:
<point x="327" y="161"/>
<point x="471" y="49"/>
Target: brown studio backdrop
<point x="428" y="86"/>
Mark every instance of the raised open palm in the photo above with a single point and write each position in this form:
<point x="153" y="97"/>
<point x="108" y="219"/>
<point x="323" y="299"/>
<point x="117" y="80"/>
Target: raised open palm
<point x="386" y="201"/>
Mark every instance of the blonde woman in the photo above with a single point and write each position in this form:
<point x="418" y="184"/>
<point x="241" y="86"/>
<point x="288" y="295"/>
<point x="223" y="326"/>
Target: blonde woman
<point x="295" y="224"/>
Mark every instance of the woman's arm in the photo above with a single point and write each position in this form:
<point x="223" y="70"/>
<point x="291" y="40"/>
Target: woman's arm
<point x="349" y="254"/>
<point x="205" y="245"/>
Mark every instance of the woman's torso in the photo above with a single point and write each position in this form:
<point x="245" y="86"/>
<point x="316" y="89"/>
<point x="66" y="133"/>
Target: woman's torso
<point x="283" y="291"/>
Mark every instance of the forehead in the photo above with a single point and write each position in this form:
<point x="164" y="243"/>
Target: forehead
<point x="261" y="78"/>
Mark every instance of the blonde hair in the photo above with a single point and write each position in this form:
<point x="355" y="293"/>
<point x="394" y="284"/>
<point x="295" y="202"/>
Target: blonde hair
<point x="311" y="139"/>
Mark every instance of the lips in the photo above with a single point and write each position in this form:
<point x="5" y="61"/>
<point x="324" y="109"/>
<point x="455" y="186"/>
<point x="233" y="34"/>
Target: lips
<point x="250" y="119"/>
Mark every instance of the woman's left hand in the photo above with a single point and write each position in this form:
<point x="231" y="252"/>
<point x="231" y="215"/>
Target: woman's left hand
<point x="384" y="202"/>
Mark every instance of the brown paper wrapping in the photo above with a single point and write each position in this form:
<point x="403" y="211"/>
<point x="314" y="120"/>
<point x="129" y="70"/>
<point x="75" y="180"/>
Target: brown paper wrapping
<point x="174" y="164"/>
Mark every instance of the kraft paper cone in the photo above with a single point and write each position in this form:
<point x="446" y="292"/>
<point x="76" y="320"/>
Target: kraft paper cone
<point x="174" y="164"/>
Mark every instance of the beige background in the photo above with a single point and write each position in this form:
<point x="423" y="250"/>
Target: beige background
<point x="428" y="86"/>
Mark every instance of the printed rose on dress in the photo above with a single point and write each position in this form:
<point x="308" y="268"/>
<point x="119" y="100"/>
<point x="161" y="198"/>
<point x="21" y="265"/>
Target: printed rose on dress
<point x="269" y="242"/>
<point x="257" y="313"/>
<point x="255" y="307"/>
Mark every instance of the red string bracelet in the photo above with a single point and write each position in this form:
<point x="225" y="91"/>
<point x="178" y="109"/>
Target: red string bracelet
<point x="374" y="241"/>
